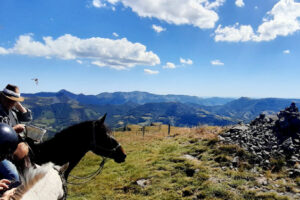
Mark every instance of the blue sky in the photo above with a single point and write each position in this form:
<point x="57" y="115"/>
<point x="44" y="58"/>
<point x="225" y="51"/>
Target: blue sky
<point x="226" y="48"/>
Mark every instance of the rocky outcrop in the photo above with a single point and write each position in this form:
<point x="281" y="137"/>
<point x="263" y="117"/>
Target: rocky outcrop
<point x="267" y="137"/>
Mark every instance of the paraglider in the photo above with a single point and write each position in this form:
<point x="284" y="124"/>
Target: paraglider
<point x="36" y="80"/>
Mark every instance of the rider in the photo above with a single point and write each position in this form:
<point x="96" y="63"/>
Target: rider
<point x="11" y="113"/>
<point x="8" y="144"/>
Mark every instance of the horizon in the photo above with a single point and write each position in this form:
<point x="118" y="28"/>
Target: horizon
<point x="219" y="48"/>
<point x="204" y="97"/>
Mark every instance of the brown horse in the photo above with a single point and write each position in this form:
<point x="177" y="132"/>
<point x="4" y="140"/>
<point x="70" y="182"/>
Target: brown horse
<point x="72" y="143"/>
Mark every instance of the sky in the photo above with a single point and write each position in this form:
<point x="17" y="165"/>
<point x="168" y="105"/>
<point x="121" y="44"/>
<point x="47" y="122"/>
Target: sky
<point x="224" y="48"/>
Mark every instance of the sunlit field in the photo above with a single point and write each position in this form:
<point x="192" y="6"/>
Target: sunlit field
<point x="187" y="164"/>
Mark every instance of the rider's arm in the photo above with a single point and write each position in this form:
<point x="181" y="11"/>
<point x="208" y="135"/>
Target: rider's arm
<point x="23" y="114"/>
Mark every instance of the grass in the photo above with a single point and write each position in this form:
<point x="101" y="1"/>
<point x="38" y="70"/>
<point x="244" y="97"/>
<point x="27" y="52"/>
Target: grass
<point x="160" y="160"/>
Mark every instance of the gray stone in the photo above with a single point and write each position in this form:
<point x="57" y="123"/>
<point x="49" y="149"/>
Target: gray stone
<point x="235" y="161"/>
<point x="143" y="182"/>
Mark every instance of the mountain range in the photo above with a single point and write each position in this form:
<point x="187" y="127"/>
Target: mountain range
<point x="136" y="97"/>
<point x="57" y="110"/>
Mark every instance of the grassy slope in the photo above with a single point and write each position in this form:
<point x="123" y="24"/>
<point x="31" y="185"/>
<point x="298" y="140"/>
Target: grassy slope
<point x="160" y="160"/>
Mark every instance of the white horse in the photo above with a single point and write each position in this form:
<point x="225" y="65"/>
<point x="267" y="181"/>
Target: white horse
<point x="41" y="183"/>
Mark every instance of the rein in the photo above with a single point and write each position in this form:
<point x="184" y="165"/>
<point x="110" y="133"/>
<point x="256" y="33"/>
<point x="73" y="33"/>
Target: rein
<point x="88" y="177"/>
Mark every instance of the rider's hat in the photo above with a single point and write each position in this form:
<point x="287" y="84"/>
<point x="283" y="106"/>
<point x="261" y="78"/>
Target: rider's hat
<point x="12" y="92"/>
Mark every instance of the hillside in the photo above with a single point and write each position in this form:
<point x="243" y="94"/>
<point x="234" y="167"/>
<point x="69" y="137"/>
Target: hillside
<point x="191" y="164"/>
<point x="55" y="111"/>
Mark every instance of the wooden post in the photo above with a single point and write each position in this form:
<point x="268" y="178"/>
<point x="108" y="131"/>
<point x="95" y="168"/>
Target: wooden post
<point x="169" y="129"/>
<point x="143" y="131"/>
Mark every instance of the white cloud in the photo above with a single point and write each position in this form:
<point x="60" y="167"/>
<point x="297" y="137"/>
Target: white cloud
<point x="117" y="54"/>
<point x="113" y="65"/>
<point x="186" y="61"/>
<point x="282" y="20"/>
<point x="115" y="34"/>
<point x="287" y="51"/>
<point x="239" y="3"/>
<point x="217" y="63"/>
<point x="234" y="33"/>
<point x="199" y="13"/>
<point x="3" y="51"/>
<point x="151" y="72"/>
<point x="98" y="4"/>
<point x="79" y="61"/>
<point x="169" y="65"/>
<point x="214" y="4"/>
<point x="158" y="29"/>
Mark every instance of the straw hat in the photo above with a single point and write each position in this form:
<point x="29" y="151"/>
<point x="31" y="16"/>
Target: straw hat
<point x="12" y="92"/>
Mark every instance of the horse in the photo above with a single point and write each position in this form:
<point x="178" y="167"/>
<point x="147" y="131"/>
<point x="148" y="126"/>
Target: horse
<point x="40" y="183"/>
<point x="72" y="143"/>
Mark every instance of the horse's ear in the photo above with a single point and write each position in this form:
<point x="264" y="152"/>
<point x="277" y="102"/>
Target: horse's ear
<point x="63" y="168"/>
<point x="102" y="119"/>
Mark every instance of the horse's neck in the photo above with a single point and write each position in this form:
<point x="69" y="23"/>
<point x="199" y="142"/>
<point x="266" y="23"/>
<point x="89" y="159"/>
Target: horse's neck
<point x="48" y="185"/>
<point x="66" y="144"/>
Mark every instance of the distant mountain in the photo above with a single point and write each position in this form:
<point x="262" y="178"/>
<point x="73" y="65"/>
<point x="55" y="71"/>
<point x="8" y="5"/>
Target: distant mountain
<point x="55" y="111"/>
<point x="53" y="115"/>
<point x="118" y="98"/>
<point x="246" y="109"/>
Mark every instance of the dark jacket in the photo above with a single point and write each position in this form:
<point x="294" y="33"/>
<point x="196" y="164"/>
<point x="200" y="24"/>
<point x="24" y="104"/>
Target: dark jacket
<point x="14" y="117"/>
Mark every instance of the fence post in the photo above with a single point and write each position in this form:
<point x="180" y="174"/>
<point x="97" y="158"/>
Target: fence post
<point x="143" y="131"/>
<point x="169" y="129"/>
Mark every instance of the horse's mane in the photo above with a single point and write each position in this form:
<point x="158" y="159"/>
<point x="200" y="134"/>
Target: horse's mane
<point x="30" y="178"/>
<point x="70" y="128"/>
<point x="81" y="125"/>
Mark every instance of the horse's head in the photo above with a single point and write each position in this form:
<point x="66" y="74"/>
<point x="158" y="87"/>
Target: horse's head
<point x="104" y="144"/>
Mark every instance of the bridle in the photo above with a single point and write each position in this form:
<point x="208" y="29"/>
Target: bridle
<point x="94" y="146"/>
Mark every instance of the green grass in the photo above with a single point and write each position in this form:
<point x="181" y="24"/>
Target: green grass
<point x="160" y="160"/>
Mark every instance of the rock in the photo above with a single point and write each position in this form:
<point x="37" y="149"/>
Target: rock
<point x="294" y="159"/>
<point x="238" y="128"/>
<point x="143" y="182"/>
<point x="267" y="162"/>
<point x="288" y="142"/>
<point x="235" y="161"/>
<point x="221" y="138"/>
<point x="226" y="134"/>
<point x="294" y="173"/>
<point x="262" y="181"/>
<point x="268" y="136"/>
